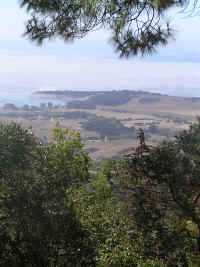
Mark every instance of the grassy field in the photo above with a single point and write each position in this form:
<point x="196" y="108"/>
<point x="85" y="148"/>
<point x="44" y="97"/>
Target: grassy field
<point x="172" y="113"/>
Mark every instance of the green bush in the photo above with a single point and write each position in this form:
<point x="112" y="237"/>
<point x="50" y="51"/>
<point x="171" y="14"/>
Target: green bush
<point x="38" y="223"/>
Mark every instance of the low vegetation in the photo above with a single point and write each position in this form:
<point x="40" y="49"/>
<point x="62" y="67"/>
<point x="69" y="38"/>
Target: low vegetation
<point x="46" y="115"/>
<point x="149" y="100"/>
<point x="154" y="129"/>
<point x="111" y="128"/>
<point x="113" y="98"/>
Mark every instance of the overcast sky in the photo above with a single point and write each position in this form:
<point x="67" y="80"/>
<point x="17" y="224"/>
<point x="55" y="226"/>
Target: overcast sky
<point x="92" y="64"/>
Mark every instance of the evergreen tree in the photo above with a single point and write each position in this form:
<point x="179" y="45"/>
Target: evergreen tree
<point x="137" y="26"/>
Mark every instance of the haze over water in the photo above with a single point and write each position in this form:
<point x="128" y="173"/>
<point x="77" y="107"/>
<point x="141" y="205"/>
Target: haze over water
<point x="91" y="64"/>
<point x="21" y="98"/>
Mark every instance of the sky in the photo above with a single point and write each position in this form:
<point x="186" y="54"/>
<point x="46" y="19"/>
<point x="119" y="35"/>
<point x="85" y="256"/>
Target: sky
<point x="92" y="64"/>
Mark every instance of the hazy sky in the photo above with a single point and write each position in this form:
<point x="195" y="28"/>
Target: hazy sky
<point x="92" y="64"/>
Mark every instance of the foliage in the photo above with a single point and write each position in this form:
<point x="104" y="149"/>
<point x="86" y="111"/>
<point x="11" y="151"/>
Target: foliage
<point x="112" y="128"/>
<point x="137" y="27"/>
<point x="162" y="190"/>
<point x="113" y="98"/>
<point x="101" y="206"/>
<point x="45" y="114"/>
<point x="10" y="106"/>
<point x="100" y="213"/>
<point x="154" y="129"/>
<point x="38" y="223"/>
<point x="81" y="104"/>
<point x="149" y="100"/>
<point x="138" y="211"/>
<point x="17" y="146"/>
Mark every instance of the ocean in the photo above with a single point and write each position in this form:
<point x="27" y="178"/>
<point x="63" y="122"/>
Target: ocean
<point x="19" y="99"/>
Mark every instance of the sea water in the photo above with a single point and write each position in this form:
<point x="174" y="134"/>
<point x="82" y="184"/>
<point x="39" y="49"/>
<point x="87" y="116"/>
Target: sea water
<point x="19" y="99"/>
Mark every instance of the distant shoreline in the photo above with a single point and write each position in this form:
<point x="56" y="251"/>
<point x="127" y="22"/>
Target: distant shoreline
<point x="59" y="96"/>
<point x="78" y="95"/>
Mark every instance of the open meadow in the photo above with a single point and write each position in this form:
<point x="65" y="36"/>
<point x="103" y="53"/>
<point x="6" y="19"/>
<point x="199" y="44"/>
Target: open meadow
<point x="109" y="131"/>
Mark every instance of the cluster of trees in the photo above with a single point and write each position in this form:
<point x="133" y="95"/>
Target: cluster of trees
<point x="149" y="100"/>
<point x="114" y="129"/>
<point x="26" y="107"/>
<point x="45" y="114"/>
<point x="10" y="106"/>
<point x="113" y="98"/>
<point x="38" y="222"/>
<point x="138" y="211"/>
<point x="81" y="104"/>
<point x="154" y="129"/>
<point x="110" y="127"/>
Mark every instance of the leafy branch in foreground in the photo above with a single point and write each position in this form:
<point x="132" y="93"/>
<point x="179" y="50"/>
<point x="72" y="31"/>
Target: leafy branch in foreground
<point x="137" y="26"/>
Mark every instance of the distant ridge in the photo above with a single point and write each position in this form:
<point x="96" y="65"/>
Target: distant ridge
<point x="85" y="93"/>
<point x="88" y="93"/>
<point x="126" y="100"/>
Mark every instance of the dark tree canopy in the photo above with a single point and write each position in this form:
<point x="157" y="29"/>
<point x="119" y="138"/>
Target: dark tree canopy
<point x="137" y="26"/>
<point x="38" y="222"/>
<point x="162" y="187"/>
